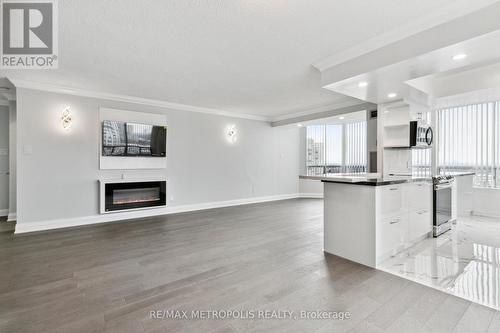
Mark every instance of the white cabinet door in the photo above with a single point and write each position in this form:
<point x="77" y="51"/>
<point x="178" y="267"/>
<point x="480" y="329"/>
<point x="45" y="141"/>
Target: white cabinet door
<point x="419" y="196"/>
<point x="392" y="202"/>
<point x="419" y="224"/>
<point x="392" y="235"/>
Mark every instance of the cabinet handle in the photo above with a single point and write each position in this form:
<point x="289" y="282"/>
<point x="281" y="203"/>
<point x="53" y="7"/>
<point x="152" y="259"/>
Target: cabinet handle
<point x="395" y="221"/>
<point x="422" y="212"/>
<point x="393" y="189"/>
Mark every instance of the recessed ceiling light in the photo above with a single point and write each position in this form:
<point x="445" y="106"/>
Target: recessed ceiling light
<point x="392" y="95"/>
<point x="341" y="117"/>
<point x="299" y="125"/>
<point x="459" y="56"/>
<point x="386" y="111"/>
<point x="362" y="84"/>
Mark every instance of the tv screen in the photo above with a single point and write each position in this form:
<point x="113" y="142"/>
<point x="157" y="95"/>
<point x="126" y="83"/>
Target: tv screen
<point x="131" y="139"/>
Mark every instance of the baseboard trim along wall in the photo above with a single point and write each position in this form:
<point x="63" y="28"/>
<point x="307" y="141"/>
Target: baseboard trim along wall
<point x="22" y="228"/>
<point x="311" y="195"/>
<point x="11" y="217"/>
<point x="4" y="212"/>
<point x="484" y="214"/>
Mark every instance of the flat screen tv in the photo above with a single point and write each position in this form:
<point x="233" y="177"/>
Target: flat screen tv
<point x="131" y="139"/>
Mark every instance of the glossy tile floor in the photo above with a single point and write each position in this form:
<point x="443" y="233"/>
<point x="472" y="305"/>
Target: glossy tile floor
<point x="464" y="262"/>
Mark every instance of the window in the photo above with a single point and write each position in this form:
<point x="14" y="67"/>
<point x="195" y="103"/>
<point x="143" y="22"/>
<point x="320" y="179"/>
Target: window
<point x="469" y="140"/>
<point x="336" y="148"/>
<point x="355" y="147"/>
<point x="421" y="162"/>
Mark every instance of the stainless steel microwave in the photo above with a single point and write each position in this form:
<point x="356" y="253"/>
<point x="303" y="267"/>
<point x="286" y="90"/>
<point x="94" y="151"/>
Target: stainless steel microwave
<point x="421" y="134"/>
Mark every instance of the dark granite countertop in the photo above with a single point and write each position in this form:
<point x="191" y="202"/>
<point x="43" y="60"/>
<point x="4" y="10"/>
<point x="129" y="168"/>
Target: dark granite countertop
<point x="374" y="179"/>
<point x="458" y="174"/>
<point x="378" y="181"/>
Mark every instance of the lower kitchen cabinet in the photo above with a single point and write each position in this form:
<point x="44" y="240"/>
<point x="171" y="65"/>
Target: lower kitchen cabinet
<point x="367" y="223"/>
<point x="419" y="225"/>
<point x="404" y="217"/>
<point x="420" y="210"/>
<point x="392" y="235"/>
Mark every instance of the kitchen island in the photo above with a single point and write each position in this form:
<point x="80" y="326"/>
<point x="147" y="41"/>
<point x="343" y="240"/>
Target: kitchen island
<point x="367" y="220"/>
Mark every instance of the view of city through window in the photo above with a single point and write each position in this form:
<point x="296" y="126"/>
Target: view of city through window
<point x="469" y="140"/>
<point x="336" y="148"/>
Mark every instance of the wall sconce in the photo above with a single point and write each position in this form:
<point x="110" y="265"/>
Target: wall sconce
<point x="231" y="133"/>
<point x="66" y="119"/>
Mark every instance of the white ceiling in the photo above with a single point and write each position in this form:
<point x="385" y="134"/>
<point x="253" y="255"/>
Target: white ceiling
<point x="434" y="73"/>
<point x="241" y="56"/>
<point x="345" y="118"/>
<point x="422" y="65"/>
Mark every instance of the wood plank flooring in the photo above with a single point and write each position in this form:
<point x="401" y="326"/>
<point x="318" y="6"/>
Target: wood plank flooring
<point x="108" y="278"/>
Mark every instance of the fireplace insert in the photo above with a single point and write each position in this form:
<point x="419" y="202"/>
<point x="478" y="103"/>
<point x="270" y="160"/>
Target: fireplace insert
<point x="134" y="195"/>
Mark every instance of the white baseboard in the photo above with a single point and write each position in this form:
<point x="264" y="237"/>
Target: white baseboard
<point x="11" y="217"/>
<point x="95" y="219"/>
<point x="484" y="214"/>
<point x="4" y="212"/>
<point x="311" y="195"/>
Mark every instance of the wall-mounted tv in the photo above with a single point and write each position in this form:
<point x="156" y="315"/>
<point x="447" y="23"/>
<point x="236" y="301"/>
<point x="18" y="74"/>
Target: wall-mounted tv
<point x="134" y="140"/>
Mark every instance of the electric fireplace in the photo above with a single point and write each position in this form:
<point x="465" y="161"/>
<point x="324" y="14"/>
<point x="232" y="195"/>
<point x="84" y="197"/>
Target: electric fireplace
<point x="133" y="195"/>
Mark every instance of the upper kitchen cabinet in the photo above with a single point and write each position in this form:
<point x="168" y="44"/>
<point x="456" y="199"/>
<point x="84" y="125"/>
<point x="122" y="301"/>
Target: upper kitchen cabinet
<point x="399" y="123"/>
<point x="396" y="127"/>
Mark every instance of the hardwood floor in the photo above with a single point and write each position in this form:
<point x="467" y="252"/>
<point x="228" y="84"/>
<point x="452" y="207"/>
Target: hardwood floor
<point x="6" y="226"/>
<point x="108" y="278"/>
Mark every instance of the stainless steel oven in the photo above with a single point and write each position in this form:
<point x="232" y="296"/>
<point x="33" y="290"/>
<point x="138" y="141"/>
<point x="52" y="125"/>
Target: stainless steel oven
<point x="442" y="204"/>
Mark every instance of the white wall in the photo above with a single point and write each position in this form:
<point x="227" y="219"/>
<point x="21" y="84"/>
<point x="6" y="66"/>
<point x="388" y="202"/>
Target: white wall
<point x="58" y="179"/>
<point x="310" y="188"/>
<point x="12" y="160"/>
<point x="476" y="200"/>
<point x="303" y="150"/>
<point x="397" y="161"/>
<point x="371" y="138"/>
<point x="485" y="202"/>
<point x="4" y="160"/>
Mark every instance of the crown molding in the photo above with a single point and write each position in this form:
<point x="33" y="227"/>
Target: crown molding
<point x="331" y="112"/>
<point x="455" y="10"/>
<point x="319" y="109"/>
<point x="25" y="84"/>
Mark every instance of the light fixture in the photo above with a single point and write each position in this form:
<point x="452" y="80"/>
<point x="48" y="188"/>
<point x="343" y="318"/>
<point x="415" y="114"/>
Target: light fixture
<point x="341" y="117"/>
<point x="299" y="125"/>
<point x="231" y="134"/>
<point x="460" y="56"/>
<point x="362" y="84"/>
<point x="392" y="95"/>
<point x="66" y="118"/>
